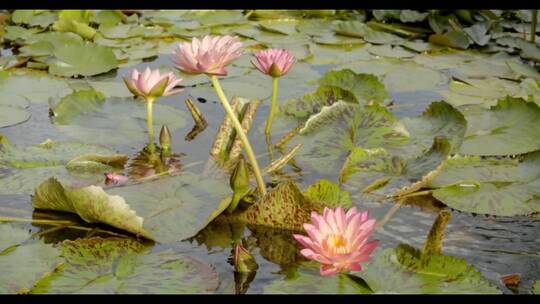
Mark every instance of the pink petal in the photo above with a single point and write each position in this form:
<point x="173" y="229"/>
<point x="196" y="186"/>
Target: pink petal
<point x="328" y="270"/>
<point x="354" y="267"/>
<point x="351" y="213"/>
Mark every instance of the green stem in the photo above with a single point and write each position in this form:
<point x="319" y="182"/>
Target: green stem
<point x="34" y="221"/>
<point x="273" y="106"/>
<point x="533" y="25"/>
<point x="240" y="132"/>
<point x="149" y="119"/>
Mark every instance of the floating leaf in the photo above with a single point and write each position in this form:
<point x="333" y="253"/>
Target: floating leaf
<point x="11" y="235"/>
<point x="508" y="128"/>
<point x="453" y="39"/>
<point x="12" y="115"/>
<point x="75" y="21"/>
<point x="19" y="90"/>
<point x="184" y="205"/>
<point x="312" y="103"/>
<point x="478" y="32"/>
<point x="84" y="115"/>
<point x="309" y="281"/>
<point x="363" y="86"/>
<point x="285" y="207"/>
<point x="329" y="193"/>
<point x="439" y="119"/>
<point x="400" y="271"/>
<point x="331" y="134"/>
<point x="371" y="169"/>
<point x="503" y="187"/>
<point x="26" y="263"/>
<point x="285" y="27"/>
<point x="112" y="265"/>
<point x="32" y="164"/>
<point x="91" y="203"/>
<point x="82" y="58"/>
<point x="389" y="51"/>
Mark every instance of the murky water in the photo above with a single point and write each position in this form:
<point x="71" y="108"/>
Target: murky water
<point x="495" y="246"/>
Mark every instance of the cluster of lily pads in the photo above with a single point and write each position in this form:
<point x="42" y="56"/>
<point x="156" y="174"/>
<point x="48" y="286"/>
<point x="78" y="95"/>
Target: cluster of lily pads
<point x="476" y="151"/>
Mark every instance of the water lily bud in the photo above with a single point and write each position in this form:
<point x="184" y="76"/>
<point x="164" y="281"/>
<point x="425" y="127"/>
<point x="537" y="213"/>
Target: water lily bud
<point x="239" y="183"/>
<point x="243" y="260"/>
<point x="165" y="137"/>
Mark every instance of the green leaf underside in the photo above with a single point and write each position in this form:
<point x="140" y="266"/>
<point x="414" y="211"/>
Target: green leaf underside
<point x="183" y="206"/>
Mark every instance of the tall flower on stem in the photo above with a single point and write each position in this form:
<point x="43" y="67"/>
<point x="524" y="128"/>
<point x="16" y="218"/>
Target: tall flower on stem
<point x="150" y="85"/>
<point x="338" y="240"/>
<point x="275" y="63"/>
<point x="210" y="55"/>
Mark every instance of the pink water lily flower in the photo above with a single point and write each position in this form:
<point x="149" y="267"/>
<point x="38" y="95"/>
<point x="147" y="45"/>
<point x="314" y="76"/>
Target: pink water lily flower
<point x="209" y="55"/>
<point x="337" y="240"/>
<point x="274" y="62"/>
<point x="152" y="84"/>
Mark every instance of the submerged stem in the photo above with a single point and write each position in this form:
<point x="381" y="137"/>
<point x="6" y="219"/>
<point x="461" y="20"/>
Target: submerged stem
<point x="34" y="221"/>
<point x="273" y="106"/>
<point x="241" y="134"/>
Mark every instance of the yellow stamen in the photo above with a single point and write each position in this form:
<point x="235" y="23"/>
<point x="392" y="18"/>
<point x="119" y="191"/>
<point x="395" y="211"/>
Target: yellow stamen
<point x="337" y="244"/>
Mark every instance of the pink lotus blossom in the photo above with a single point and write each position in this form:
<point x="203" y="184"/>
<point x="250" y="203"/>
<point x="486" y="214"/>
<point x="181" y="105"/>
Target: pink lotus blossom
<point x="274" y="62"/>
<point x="209" y="55"/>
<point x="115" y="179"/>
<point x="152" y="84"/>
<point x="337" y="240"/>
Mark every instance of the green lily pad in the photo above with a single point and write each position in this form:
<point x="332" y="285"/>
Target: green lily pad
<point x="329" y="193"/>
<point x="112" y="265"/>
<point x="185" y="204"/>
<point x="75" y="21"/>
<point x="536" y="287"/>
<point x="82" y="58"/>
<point x="86" y="116"/>
<point x="389" y="51"/>
<point x="425" y="79"/>
<point x="312" y="103"/>
<point x="71" y="162"/>
<point x="330" y="135"/>
<point x="123" y="31"/>
<point x="285" y="27"/>
<point x="20" y="89"/>
<point x="400" y="271"/>
<point x="363" y="86"/>
<point x="522" y="69"/>
<point x="439" y="119"/>
<point x="508" y="128"/>
<point x="26" y="263"/>
<point x="309" y="281"/>
<point x="285" y="207"/>
<point x="18" y="33"/>
<point x="504" y="187"/>
<point x="10" y="116"/>
<point x="452" y="39"/>
<point x="215" y="17"/>
<point x="91" y="203"/>
<point x="332" y="54"/>
<point x="11" y="235"/>
<point x="375" y="169"/>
